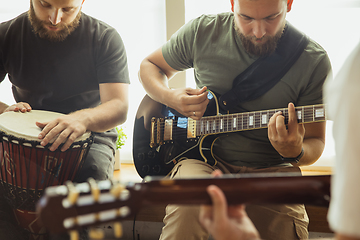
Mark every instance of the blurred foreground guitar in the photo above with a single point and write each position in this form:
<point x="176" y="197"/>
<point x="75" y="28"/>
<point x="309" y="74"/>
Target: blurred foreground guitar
<point x="68" y="207"/>
<point x="162" y="136"/>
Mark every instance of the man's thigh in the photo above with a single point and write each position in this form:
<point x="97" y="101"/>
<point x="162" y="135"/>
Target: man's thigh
<point x="99" y="164"/>
<point x="190" y="168"/>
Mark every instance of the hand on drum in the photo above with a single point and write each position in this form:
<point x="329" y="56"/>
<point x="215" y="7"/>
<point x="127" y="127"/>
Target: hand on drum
<point x="65" y="129"/>
<point x="20" y="106"/>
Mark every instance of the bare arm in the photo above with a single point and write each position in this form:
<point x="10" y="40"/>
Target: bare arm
<point x="110" y="113"/>
<point x="154" y="74"/>
<point x="289" y="141"/>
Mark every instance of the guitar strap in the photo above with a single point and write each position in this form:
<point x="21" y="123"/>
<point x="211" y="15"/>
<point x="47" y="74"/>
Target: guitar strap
<point x="267" y="71"/>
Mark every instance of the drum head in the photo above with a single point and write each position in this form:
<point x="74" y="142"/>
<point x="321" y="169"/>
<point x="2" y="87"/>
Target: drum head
<point x="23" y="125"/>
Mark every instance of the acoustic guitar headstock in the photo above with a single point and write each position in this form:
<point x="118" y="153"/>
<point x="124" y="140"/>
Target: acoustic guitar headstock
<point x="69" y="207"/>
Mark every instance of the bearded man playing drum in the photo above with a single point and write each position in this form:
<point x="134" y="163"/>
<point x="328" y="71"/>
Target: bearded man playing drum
<point x="61" y="60"/>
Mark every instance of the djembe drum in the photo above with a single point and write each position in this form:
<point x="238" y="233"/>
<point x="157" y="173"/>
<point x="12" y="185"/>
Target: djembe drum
<point x="27" y="168"/>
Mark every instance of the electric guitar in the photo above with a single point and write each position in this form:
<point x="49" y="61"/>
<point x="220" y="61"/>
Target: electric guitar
<point x="71" y="207"/>
<point x="162" y="136"/>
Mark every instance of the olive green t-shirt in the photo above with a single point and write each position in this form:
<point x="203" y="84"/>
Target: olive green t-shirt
<point x="210" y="45"/>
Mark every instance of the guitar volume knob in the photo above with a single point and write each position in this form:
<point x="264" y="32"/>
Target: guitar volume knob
<point x="151" y="154"/>
<point x="141" y="156"/>
<point x="156" y="169"/>
<point x="145" y="168"/>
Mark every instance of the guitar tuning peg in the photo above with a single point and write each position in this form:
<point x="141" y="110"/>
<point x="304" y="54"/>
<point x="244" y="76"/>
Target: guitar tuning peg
<point x="95" y="191"/>
<point x="96" y="233"/>
<point x="74" y="235"/>
<point x="73" y="192"/>
<point x="116" y="189"/>
<point x="118" y="231"/>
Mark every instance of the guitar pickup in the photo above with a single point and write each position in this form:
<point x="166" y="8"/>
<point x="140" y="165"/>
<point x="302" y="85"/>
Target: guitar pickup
<point x="191" y="128"/>
<point x="159" y="131"/>
<point x="168" y="130"/>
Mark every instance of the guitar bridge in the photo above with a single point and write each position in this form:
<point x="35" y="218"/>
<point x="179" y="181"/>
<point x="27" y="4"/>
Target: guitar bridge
<point x="152" y="133"/>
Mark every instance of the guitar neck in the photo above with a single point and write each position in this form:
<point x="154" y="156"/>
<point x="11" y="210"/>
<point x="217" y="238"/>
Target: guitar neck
<point x="251" y="120"/>
<point x="59" y="215"/>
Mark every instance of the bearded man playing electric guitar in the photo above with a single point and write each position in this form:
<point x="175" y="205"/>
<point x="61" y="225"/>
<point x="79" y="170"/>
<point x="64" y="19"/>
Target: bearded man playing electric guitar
<point x="255" y="60"/>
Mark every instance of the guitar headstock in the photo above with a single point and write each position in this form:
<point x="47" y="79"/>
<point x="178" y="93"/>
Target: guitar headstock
<point x="70" y="207"/>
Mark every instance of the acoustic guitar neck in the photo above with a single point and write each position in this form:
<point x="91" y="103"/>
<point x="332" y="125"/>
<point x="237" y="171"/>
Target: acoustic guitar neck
<point x="64" y="208"/>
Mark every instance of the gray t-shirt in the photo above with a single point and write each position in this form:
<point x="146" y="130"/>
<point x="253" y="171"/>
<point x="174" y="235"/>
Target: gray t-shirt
<point x="211" y="46"/>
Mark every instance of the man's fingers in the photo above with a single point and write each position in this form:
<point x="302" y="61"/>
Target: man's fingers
<point x="192" y="91"/>
<point x="280" y="126"/>
<point x="219" y="202"/>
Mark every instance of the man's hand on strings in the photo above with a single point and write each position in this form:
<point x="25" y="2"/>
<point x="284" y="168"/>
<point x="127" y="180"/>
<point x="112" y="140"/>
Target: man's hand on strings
<point x="287" y="140"/>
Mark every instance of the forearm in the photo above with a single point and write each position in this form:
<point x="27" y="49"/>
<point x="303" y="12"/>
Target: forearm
<point x="103" y="117"/>
<point x="3" y="106"/>
<point x="313" y="148"/>
<point x="154" y="81"/>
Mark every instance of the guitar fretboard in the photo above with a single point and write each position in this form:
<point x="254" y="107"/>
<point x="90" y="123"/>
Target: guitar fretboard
<point x="251" y="120"/>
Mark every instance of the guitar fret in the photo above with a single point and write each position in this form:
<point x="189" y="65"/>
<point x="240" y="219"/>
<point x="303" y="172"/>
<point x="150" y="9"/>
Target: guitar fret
<point x="221" y="124"/>
<point x="246" y="121"/>
<point x="308" y="114"/>
<point x="251" y="120"/>
<point x="320" y="113"/>
<point x="243" y="121"/>
<point x="228" y="123"/>
<point x="264" y="119"/>
<point x="255" y="119"/>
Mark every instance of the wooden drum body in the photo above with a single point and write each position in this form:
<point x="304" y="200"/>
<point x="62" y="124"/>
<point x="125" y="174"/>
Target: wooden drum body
<point x="27" y="168"/>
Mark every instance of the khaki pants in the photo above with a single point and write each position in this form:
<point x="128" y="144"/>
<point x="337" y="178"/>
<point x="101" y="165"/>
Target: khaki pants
<point x="272" y="221"/>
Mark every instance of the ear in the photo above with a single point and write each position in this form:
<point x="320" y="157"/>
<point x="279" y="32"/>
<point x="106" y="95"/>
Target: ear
<point x="289" y="4"/>
<point x="232" y="5"/>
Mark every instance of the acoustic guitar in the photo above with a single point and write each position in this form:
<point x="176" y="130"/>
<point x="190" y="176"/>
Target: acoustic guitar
<point x="70" y="207"/>
<point x="162" y="136"/>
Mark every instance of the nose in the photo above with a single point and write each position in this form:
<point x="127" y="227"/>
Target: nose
<point x="259" y="29"/>
<point x="55" y="17"/>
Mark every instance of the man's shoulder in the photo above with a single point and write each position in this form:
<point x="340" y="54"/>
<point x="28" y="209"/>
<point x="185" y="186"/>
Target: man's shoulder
<point x="15" y="22"/>
<point x="9" y="30"/>
<point x="213" y="19"/>
<point x="94" y="23"/>
<point x="315" y="50"/>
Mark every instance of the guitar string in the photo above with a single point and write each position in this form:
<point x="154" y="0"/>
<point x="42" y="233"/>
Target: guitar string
<point x="256" y="119"/>
<point x="228" y="119"/>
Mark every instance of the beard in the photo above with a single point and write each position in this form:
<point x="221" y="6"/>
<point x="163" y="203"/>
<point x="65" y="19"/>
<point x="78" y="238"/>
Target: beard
<point x="54" y="36"/>
<point x="261" y="49"/>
